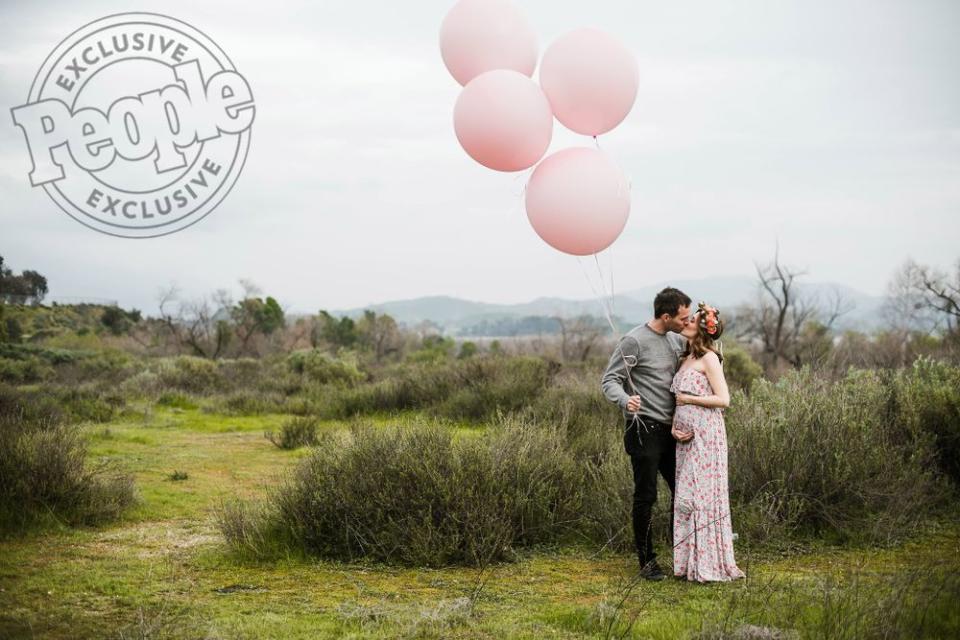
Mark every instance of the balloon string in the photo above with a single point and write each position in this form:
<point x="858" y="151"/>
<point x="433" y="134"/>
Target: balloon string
<point x="634" y="417"/>
<point x="601" y="299"/>
<point x="611" y="303"/>
<point x="597" y="143"/>
<point x="518" y="206"/>
<point x="613" y="296"/>
<point x="525" y="173"/>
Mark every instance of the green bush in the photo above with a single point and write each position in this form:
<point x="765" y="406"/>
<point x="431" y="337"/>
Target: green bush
<point x="111" y="366"/>
<point x="25" y="371"/>
<point x="252" y="529"/>
<point x="53" y="356"/>
<point x="434" y="349"/>
<point x="44" y="473"/>
<point x="295" y="433"/>
<point x="574" y="400"/>
<point x="241" y="373"/>
<point x="468" y="349"/>
<point x="87" y="403"/>
<point x="739" y="368"/>
<point x="189" y="373"/>
<point x="176" y="400"/>
<point x="145" y="384"/>
<point x="926" y="400"/>
<point x="248" y="402"/>
<point x="483" y="386"/>
<point x="475" y="388"/>
<point x="825" y="457"/>
<point x="13" y="331"/>
<point x="315" y="365"/>
<point x="415" y="495"/>
<point x="119" y="321"/>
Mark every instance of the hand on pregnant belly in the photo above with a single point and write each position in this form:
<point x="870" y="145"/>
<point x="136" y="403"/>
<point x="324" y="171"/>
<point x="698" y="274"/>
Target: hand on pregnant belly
<point x="682" y="424"/>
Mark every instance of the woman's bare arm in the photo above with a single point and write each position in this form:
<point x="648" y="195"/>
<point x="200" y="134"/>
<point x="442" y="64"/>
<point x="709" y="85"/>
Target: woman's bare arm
<point x="721" y="393"/>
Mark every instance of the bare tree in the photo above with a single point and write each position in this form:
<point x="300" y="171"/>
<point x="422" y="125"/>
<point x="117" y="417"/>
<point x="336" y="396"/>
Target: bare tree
<point x="194" y="325"/>
<point x="920" y="295"/>
<point x="837" y="306"/>
<point x="380" y="333"/>
<point x="785" y="322"/>
<point x="779" y="315"/>
<point x="579" y="337"/>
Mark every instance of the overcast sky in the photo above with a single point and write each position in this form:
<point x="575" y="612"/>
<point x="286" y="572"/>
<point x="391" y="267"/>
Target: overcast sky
<point x="831" y="126"/>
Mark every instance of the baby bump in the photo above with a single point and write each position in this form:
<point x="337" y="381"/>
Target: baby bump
<point x="686" y="417"/>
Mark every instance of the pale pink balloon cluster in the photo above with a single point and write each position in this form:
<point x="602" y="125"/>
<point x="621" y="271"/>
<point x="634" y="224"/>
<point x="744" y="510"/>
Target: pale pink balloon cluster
<point x="577" y="200"/>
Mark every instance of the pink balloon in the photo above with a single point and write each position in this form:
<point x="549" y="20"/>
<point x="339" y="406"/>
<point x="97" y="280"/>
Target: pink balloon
<point x="483" y="35"/>
<point x="591" y="80"/>
<point x="578" y="201"/>
<point x="503" y="120"/>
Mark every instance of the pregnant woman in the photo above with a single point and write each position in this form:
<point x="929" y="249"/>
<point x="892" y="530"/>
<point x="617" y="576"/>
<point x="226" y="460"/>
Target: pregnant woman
<point x="702" y="531"/>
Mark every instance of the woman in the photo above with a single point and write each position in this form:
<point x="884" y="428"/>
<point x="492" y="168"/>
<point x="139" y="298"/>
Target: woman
<point x="702" y="532"/>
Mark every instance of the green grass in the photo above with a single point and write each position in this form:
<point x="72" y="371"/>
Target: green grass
<point x="163" y="571"/>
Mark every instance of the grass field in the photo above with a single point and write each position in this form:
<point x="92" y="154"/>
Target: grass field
<point x="163" y="571"/>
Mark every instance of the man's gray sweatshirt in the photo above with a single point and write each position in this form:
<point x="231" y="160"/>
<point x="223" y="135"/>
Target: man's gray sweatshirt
<point x="651" y="360"/>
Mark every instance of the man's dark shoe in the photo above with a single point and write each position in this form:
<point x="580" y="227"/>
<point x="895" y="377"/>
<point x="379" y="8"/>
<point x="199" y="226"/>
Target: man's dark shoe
<point x="652" y="571"/>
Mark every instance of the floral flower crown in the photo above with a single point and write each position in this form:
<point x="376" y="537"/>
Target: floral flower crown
<point x="709" y="320"/>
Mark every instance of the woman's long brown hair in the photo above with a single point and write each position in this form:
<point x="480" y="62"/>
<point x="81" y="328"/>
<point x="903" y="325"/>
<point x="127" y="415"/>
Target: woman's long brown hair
<point x="700" y="344"/>
<point x="703" y="341"/>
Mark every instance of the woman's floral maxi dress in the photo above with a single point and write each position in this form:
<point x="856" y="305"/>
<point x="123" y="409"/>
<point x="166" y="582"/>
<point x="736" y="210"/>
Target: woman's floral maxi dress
<point x="702" y="531"/>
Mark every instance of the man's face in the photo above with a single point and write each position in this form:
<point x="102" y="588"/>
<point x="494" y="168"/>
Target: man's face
<point x="679" y="321"/>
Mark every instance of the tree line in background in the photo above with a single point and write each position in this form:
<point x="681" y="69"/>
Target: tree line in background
<point x="27" y="288"/>
<point x="781" y="329"/>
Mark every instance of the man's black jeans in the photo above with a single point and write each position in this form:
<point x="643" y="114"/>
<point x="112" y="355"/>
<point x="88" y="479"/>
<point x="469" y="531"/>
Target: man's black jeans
<point x="651" y="451"/>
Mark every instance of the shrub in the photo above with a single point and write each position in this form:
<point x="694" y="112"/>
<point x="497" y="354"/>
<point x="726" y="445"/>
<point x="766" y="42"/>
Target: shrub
<point x="841" y="459"/>
<point x="480" y="387"/>
<point x="189" y="373"/>
<point x="926" y="400"/>
<point x="144" y="384"/>
<point x="28" y="407"/>
<point x="913" y="602"/>
<point x="247" y="402"/>
<point x="176" y="401"/>
<point x="825" y="457"/>
<point x="315" y="365"/>
<point x="119" y="321"/>
<point x="739" y="368"/>
<point x="471" y="389"/>
<point x="415" y="495"/>
<point x="44" y="472"/>
<point x="87" y="403"/>
<point x="53" y="356"/>
<point x="25" y="371"/>
<point x="57" y="404"/>
<point x="251" y="528"/>
<point x="241" y="373"/>
<point x="295" y="433"/>
<point x="434" y="349"/>
<point x="13" y="331"/>
<point x="111" y="366"/>
<point x="575" y="401"/>
<point x="468" y="349"/>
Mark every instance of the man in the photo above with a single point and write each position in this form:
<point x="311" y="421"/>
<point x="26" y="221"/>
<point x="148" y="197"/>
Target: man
<point x="638" y="379"/>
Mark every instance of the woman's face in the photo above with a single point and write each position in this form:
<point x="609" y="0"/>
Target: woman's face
<point x="690" y="326"/>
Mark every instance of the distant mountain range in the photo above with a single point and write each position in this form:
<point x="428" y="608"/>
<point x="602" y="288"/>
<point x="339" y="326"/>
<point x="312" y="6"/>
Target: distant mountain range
<point x="456" y="316"/>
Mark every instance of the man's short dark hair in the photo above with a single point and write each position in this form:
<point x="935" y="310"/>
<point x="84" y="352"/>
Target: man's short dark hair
<point x="669" y="302"/>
